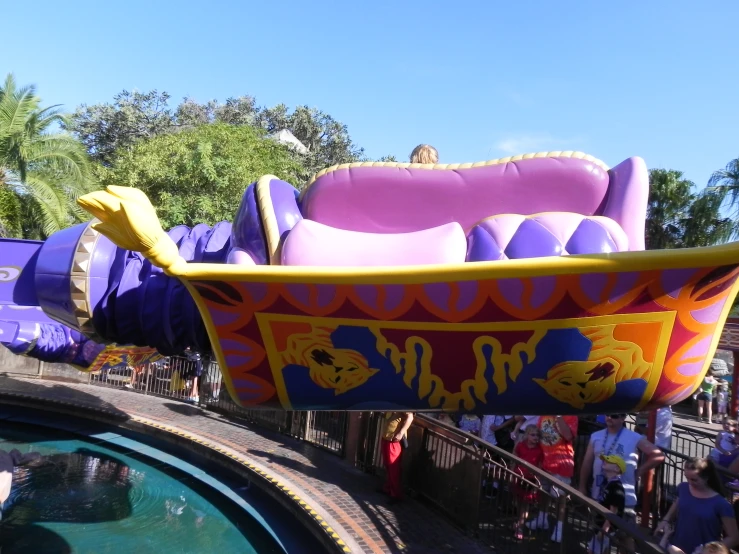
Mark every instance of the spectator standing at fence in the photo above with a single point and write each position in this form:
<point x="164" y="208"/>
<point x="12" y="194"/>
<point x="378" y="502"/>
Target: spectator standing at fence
<point x="393" y="437"/>
<point x="496" y="431"/>
<point x="700" y="513"/>
<point x="529" y="450"/>
<point x="192" y="374"/>
<point x="663" y="429"/>
<point x="617" y="440"/>
<point x="726" y="448"/>
<point x="722" y="400"/>
<point x="470" y="423"/>
<point x="705" y="397"/>
<point x="613" y="498"/>
<point x="522" y="422"/>
<point x="557" y="436"/>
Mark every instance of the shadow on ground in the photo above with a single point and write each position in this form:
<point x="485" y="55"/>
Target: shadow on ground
<point x="184" y="409"/>
<point x="55" y="393"/>
<point x="403" y="527"/>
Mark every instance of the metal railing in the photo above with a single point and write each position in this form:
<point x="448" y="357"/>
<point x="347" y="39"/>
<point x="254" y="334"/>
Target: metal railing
<point x="686" y="443"/>
<point x="175" y="378"/>
<point x="482" y="489"/>
<point x="475" y="484"/>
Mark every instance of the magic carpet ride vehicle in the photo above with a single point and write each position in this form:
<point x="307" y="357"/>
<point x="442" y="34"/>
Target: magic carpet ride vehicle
<point x="517" y="285"/>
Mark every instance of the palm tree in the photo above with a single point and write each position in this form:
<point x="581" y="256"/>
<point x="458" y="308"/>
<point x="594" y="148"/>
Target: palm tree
<point x="46" y="170"/>
<point x="678" y="217"/>
<point x="726" y="183"/>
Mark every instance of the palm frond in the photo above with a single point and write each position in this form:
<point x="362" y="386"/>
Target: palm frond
<point x="726" y="182"/>
<point x="54" y="205"/>
<point x="60" y="153"/>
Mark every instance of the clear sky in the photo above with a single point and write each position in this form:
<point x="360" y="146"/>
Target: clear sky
<point x="477" y="79"/>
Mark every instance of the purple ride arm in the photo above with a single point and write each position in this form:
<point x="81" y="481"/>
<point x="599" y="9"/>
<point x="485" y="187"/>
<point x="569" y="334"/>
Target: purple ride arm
<point x="129" y="300"/>
<point x="248" y="240"/>
<point x="24" y="328"/>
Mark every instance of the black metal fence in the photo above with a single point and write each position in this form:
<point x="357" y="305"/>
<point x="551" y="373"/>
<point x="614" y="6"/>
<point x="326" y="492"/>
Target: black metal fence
<point x="482" y="488"/>
<point x="686" y="443"/>
<point x="175" y="377"/>
<point x="477" y="485"/>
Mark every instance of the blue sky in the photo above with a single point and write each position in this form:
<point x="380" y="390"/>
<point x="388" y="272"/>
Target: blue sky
<point x="477" y="79"/>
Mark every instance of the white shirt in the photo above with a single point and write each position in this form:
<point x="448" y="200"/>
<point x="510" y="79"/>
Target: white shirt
<point x="623" y="444"/>
<point x="663" y="430"/>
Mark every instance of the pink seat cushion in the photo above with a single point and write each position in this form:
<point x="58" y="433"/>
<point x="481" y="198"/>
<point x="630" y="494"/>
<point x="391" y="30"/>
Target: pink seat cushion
<point x="314" y="244"/>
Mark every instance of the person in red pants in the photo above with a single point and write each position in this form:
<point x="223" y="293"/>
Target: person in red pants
<point x="396" y="430"/>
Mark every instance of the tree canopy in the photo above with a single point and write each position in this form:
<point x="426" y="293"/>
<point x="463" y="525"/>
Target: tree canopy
<point x="725" y="184"/>
<point x="107" y="129"/>
<point x="199" y="175"/>
<point x="680" y="217"/>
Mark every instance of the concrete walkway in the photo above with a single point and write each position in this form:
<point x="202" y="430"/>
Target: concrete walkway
<point x="343" y="495"/>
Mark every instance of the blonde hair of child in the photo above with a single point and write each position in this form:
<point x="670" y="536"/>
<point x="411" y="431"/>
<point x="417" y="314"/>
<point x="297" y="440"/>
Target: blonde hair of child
<point x="530" y="428"/>
<point x="715" y="548"/>
<point x="424" y="154"/>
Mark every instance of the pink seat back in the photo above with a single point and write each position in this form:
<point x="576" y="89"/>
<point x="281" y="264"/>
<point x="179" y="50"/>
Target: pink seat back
<point x="313" y="244"/>
<point x="388" y="199"/>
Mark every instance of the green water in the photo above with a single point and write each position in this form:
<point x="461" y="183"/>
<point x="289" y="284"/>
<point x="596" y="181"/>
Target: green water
<point x="81" y="497"/>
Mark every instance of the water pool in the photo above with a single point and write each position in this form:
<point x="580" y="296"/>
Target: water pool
<point x="91" y="496"/>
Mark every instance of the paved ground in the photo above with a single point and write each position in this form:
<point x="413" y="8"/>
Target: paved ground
<point x="684" y="417"/>
<point x="358" y="513"/>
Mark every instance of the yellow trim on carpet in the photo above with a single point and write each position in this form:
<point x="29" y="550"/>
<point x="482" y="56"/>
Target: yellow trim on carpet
<point x="616" y="262"/>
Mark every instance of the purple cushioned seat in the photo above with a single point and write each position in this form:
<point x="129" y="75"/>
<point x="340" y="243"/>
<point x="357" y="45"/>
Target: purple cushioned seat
<point x="510" y="237"/>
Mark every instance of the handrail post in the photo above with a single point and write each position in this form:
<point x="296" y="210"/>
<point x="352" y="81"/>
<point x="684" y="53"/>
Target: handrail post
<point x="351" y="438"/>
<point x="648" y="484"/>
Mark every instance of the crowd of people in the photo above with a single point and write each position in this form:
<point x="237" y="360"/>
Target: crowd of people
<point x="712" y="391"/>
<point x="615" y="461"/>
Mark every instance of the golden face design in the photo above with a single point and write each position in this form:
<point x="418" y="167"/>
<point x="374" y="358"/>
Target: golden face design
<point x="611" y="361"/>
<point x="329" y="367"/>
<point x="580" y="383"/>
<point x="342" y="370"/>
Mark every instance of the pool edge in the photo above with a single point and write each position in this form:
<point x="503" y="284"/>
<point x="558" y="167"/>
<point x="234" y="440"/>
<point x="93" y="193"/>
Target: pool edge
<point x="308" y="511"/>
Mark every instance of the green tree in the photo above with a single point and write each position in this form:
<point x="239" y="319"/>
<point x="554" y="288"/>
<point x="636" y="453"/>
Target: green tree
<point x="725" y="182"/>
<point x="198" y="175"/>
<point x="679" y="217"/>
<point x="10" y="213"/>
<point x="236" y="111"/>
<point x="327" y="140"/>
<point x="44" y="170"/>
<point x="106" y="129"/>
